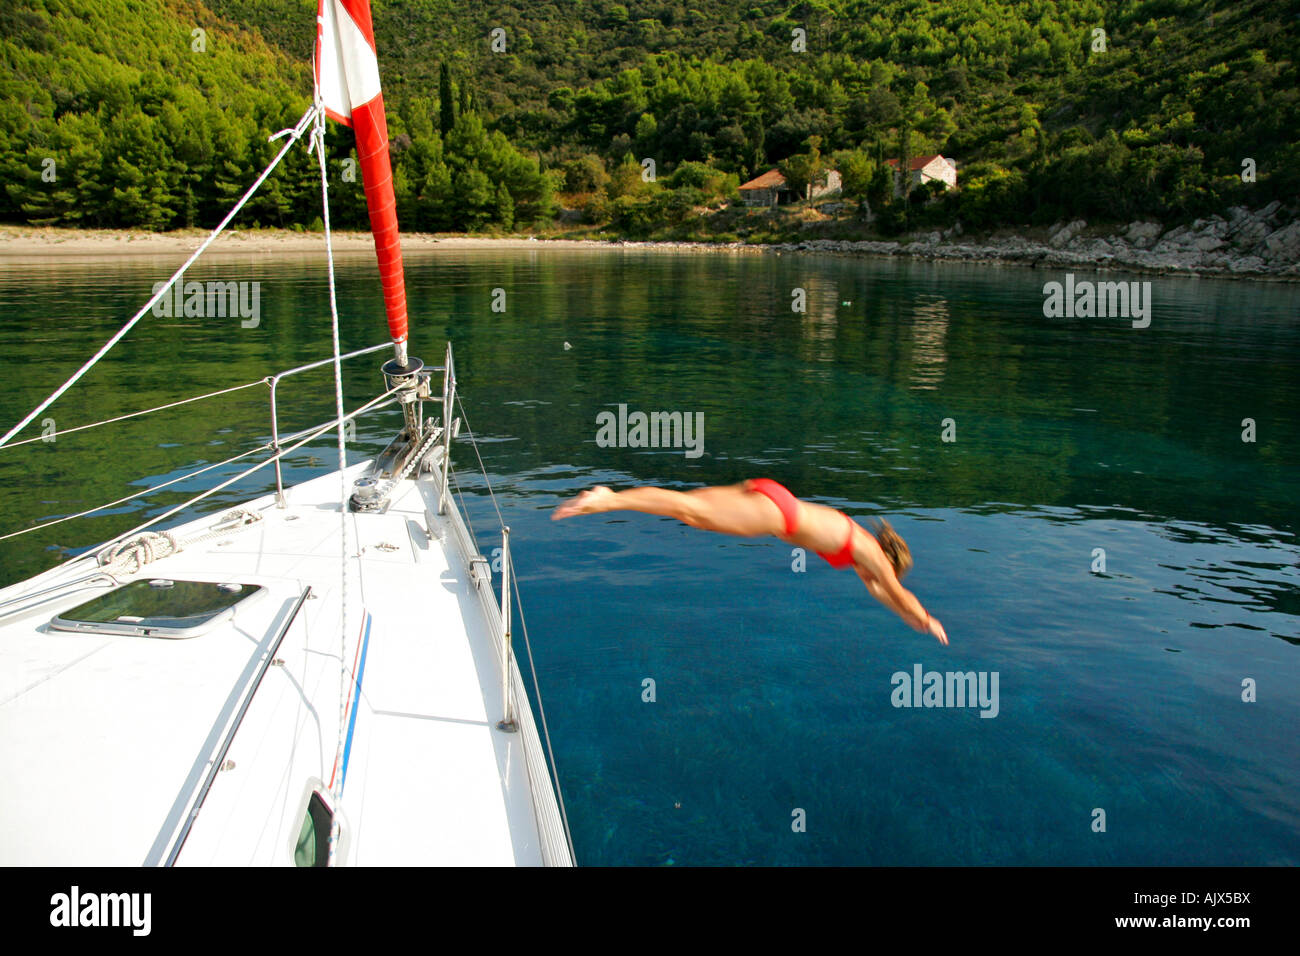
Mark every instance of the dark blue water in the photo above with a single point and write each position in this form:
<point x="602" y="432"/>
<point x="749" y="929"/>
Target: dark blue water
<point x="1119" y="691"/>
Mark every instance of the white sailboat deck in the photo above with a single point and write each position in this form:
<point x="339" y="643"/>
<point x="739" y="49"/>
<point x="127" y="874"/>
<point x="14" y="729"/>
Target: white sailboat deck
<point x="236" y="702"/>
<point x="108" y="739"/>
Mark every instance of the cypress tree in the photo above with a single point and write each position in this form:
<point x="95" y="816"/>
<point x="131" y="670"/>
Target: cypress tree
<point x="446" y="104"/>
<point x="905" y="158"/>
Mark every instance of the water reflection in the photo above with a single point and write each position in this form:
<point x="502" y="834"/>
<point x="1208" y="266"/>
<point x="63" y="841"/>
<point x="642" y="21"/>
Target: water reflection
<point x="929" y="332"/>
<point x="775" y="683"/>
<point x="818" y="325"/>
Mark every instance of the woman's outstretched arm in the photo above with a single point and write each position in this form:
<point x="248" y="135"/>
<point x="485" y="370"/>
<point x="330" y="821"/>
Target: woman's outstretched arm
<point x="877" y="573"/>
<point x="905" y="604"/>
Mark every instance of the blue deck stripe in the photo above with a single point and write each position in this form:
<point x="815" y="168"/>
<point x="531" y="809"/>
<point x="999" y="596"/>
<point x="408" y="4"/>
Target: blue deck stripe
<point x="356" y="705"/>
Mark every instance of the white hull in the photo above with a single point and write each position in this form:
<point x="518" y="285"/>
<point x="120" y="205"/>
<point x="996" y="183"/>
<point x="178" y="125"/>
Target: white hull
<point x="107" y="740"/>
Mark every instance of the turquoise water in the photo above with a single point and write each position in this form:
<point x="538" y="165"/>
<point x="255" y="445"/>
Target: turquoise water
<point x="1119" y="691"/>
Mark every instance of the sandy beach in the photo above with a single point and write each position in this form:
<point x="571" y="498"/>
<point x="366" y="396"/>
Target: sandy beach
<point x="25" y="242"/>
<point x="1196" y="250"/>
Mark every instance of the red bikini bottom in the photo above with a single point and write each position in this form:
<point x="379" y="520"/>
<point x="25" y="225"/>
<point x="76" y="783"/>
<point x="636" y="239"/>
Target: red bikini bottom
<point x="780" y="496"/>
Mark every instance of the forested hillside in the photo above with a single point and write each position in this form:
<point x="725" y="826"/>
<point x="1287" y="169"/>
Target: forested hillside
<point x="1053" y="108"/>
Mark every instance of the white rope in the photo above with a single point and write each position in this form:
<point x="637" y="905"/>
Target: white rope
<point x="317" y="143"/>
<point x="294" y="133"/>
<point x="307" y="436"/>
<point x="132" y="554"/>
<point x="187" y="475"/>
<point x="230" y="522"/>
<point x="147" y="411"/>
<point x="139" y="551"/>
<point x="138" y="494"/>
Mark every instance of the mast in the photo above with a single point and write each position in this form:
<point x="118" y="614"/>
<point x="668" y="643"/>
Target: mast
<point x="347" y="85"/>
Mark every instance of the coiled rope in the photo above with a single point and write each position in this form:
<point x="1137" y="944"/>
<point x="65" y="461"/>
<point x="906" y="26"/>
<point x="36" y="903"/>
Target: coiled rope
<point x="131" y="554"/>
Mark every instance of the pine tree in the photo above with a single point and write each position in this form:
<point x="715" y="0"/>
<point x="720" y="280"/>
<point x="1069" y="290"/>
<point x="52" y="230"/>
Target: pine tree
<point x="505" y="208"/>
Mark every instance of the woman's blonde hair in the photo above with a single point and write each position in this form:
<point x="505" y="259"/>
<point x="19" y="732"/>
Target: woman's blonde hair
<point x="893" y="545"/>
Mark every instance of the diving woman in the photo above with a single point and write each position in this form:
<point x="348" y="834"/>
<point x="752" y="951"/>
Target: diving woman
<point x="762" y="506"/>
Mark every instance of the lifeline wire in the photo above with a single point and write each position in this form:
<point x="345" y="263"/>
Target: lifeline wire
<point x="294" y="133"/>
<point x="541" y="708"/>
<point x="146" y="411"/>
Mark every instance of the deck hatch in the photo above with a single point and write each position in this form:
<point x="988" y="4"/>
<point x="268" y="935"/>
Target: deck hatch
<point x="158" y="608"/>
<point x="312" y="848"/>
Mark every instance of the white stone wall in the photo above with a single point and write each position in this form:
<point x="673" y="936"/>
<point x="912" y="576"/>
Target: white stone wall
<point x="938" y="168"/>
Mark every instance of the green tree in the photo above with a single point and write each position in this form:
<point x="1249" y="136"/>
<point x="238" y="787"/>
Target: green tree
<point x="627" y="180"/>
<point x="475" y="199"/>
<point x="857" y="174"/>
<point x="504" y="213"/>
<point x="803" y="170"/>
<point x="446" y="103"/>
<point x="585" y="174"/>
<point x="905" y="159"/>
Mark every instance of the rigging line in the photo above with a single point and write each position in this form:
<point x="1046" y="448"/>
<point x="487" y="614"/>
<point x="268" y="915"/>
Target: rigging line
<point x="469" y="524"/>
<point x="310" y="435"/>
<point x="317" y="143"/>
<point x="166" y="484"/>
<point x="373" y="405"/>
<point x="482" y="468"/>
<point x="138" y="494"/>
<point x="294" y="133"/>
<point x="147" y="411"/>
<point x="541" y="710"/>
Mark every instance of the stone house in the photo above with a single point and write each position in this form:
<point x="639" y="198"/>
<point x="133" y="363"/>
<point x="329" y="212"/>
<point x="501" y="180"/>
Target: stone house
<point x="771" y="189"/>
<point x="924" y="169"/>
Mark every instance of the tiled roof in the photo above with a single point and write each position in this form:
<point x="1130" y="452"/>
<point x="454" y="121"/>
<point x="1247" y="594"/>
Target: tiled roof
<point x="769" y="180"/>
<point x="917" y="162"/>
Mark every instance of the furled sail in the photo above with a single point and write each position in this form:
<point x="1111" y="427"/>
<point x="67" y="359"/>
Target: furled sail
<point x="347" y="82"/>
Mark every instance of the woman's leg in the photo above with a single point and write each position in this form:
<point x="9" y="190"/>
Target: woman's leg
<point x="655" y="501"/>
<point x="730" y="509"/>
<point x="727" y="509"/>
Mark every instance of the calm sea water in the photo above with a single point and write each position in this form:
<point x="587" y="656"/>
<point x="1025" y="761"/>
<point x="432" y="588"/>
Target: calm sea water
<point x="1119" y="691"/>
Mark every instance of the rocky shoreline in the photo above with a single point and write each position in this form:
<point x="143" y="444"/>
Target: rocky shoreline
<point x="1264" y="244"/>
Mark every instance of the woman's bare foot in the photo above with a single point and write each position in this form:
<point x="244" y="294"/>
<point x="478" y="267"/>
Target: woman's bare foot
<point x="589" y="502"/>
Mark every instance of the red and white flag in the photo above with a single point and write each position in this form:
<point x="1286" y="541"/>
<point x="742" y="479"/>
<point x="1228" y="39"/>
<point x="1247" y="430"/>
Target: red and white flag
<point x="347" y="81"/>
